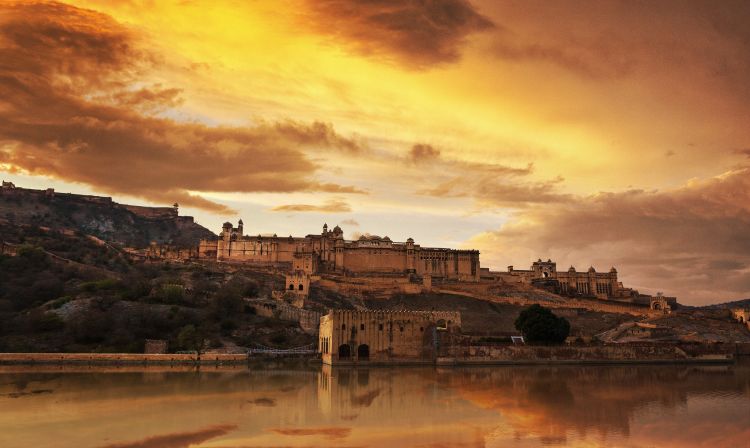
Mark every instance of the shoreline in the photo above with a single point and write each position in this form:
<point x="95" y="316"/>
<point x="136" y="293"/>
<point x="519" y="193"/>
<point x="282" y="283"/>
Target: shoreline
<point x="214" y="359"/>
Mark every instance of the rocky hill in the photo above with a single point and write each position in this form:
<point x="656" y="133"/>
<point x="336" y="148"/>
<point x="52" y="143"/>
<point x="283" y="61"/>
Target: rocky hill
<point x="133" y="226"/>
<point x="70" y="292"/>
<point x="745" y="303"/>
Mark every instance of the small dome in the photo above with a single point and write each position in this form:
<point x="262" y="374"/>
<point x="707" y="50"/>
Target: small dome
<point x="239" y="222"/>
<point x="591" y="269"/>
<point x="613" y="270"/>
<point x="571" y="269"/>
<point x="385" y="238"/>
<point x="549" y="260"/>
<point x="337" y="229"/>
<point x="227" y="224"/>
<point x="410" y="240"/>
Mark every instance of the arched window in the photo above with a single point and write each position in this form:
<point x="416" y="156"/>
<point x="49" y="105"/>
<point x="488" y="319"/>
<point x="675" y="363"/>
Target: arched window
<point x="301" y="287"/>
<point x="291" y="287"/>
<point x="343" y="326"/>
<point x="441" y="325"/>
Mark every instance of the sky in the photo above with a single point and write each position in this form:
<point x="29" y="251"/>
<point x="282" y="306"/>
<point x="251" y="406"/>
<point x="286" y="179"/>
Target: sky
<point x="602" y="133"/>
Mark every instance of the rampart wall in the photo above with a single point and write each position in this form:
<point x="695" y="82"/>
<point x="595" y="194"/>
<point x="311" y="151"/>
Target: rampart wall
<point x="120" y="358"/>
<point x="308" y="320"/>
<point x="620" y="353"/>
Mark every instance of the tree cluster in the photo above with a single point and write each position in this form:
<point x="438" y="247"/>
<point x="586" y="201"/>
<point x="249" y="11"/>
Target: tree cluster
<point x="541" y="326"/>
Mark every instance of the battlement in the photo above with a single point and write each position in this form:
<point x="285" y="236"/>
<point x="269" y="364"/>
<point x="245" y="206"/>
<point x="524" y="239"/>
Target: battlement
<point x="451" y="317"/>
<point x="329" y="252"/>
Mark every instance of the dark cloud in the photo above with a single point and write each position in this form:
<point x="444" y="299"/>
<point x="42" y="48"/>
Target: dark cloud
<point x="177" y="440"/>
<point x="584" y="60"/>
<point x="706" y="42"/>
<point x="67" y="110"/>
<point x="331" y="433"/>
<point x="331" y="206"/>
<point x="420" y="152"/>
<point x="692" y="241"/>
<point x="416" y="33"/>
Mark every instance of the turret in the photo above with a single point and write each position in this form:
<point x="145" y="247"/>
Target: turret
<point x="226" y="231"/>
<point x="325" y="228"/>
<point x="337" y="232"/>
<point x="411" y="257"/>
<point x="240" y="227"/>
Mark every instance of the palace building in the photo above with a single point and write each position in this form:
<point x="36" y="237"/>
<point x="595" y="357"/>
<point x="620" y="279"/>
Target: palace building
<point x="363" y="336"/>
<point x="330" y="252"/>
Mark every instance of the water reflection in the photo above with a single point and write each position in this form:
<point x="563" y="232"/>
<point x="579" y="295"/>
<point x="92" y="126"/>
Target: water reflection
<point x="296" y="405"/>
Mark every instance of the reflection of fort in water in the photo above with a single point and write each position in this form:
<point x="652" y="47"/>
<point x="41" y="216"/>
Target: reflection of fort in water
<point x="548" y="401"/>
<point x="379" y="405"/>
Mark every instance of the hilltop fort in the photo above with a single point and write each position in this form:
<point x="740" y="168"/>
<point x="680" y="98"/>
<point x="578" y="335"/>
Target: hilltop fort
<point x="372" y="263"/>
<point x="132" y="225"/>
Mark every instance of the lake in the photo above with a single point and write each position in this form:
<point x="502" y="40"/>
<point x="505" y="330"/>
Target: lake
<point x="296" y="405"/>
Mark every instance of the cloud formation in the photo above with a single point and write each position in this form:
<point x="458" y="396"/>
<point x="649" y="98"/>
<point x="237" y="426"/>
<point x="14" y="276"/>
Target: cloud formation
<point x="488" y="184"/>
<point x="330" y="206"/>
<point x="415" y="33"/>
<point x="420" y="152"/>
<point x="332" y="433"/>
<point x="691" y="241"/>
<point x="68" y="110"/>
<point x="177" y="440"/>
<point x="350" y="222"/>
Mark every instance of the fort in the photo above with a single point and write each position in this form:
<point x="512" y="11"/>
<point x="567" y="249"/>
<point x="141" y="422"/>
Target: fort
<point x="330" y="252"/>
<point x="365" y="337"/>
<point x="133" y="226"/>
<point x="380" y="266"/>
<point x="573" y="283"/>
<point x="348" y="336"/>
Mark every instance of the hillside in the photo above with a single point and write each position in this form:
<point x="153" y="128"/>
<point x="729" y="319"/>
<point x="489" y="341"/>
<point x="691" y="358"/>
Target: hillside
<point x="72" y="293"/>
<point x="133" y="226"/>
<point x="745" y="303"/>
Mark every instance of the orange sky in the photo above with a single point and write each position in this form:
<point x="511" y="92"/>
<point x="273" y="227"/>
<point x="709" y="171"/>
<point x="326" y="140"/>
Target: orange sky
<point x="604" y="133"/>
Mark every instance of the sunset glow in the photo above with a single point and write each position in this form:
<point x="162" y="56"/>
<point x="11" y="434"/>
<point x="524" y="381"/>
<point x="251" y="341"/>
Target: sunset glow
<point x="612" y="133"/>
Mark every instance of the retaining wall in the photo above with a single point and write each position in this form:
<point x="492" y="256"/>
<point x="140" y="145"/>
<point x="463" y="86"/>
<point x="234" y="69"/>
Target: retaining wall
<point x="120" y="358"/>
<point x="625" y="353"/>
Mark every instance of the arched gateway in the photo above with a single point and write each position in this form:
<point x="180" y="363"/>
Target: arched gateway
<point x="345" y="352"/>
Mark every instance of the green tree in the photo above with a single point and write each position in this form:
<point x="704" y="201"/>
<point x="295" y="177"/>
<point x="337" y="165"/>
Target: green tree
<point x="190" y="338"/>
<point x="539" y="325"/>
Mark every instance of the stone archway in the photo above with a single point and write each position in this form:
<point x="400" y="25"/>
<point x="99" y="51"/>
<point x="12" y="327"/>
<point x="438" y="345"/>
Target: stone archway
<point x="363" y="352"/>
<point x="345" y="352"/>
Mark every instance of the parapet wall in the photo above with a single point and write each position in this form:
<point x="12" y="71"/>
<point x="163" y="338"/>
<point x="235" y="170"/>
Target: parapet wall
<point x="621" y="353"/>
<point x="604" y="306"/>
<point x="151" y="212"/>
<point x="308" y="320"/>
